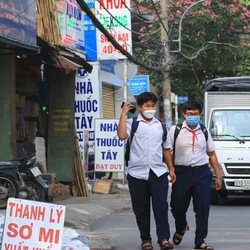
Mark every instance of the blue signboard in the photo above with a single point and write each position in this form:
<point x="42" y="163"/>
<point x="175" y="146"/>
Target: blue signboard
<point x="182" y="99"/>
<point x="108" y="65"/>
<point x="18" y="20"/>
<point x="90" y="35"/>
<point x="139" y="84"/>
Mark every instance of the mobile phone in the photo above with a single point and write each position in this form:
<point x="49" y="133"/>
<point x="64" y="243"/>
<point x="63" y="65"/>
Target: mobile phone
<point x="132" y="110"/>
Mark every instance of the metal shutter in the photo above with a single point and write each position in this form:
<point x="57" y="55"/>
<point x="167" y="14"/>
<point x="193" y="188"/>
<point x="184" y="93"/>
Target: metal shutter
<point x="108" y="101"/>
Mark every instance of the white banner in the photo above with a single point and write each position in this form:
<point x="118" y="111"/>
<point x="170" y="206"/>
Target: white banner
<point x="87" y="104"/>
<point x="109" y="149"/>
<point x="115" y="16"/>
<point x="33" y="225"/>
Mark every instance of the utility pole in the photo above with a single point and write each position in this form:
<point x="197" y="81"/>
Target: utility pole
<point x="125" y="81"/>
<point x="166" y="84"/>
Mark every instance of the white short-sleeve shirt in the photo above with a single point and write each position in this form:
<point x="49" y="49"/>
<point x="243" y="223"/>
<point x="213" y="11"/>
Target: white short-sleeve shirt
<point x="146" y="150"/>
<point x="186" y="153"/>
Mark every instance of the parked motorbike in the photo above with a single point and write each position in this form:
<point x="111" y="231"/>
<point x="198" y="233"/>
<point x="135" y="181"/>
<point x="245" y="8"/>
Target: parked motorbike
<point x="12" y="183"/>
<point x="33" y="178"/>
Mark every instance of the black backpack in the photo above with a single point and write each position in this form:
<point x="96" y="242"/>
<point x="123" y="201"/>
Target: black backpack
<point x="134" y="127"/>
<point x="178" y="129"/>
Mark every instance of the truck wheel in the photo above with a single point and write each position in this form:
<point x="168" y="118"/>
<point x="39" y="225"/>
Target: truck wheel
<point x="214" y="197"/>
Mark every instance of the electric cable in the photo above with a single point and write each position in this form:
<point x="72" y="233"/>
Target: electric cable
<point x="196" y="54"/>
<point x="159" y="17"/>
<point x="156" y="44"/>
<point x="121" y="24"/>
<point x="99" y="26"/>
<point x="140" y="14"/>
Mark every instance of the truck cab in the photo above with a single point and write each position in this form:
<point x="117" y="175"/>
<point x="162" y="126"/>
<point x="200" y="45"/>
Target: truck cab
<point x="227" y="117"/>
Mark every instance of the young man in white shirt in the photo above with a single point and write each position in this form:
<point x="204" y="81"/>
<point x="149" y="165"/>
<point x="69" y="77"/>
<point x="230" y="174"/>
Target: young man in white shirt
<point x="192" y="153"/>
<point x="147" y="174"/>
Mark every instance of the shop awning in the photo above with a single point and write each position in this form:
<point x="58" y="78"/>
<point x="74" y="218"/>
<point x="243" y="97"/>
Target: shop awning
<point x="17" y="47"/>
<point x="67" y="62"/>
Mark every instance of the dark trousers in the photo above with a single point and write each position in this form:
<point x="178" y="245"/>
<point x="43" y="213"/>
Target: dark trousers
<point x="141" y="192"/>
<point x="195" y="183"/>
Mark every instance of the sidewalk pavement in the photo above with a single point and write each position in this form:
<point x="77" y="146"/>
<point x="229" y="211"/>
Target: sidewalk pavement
<point x="81" y="212"/>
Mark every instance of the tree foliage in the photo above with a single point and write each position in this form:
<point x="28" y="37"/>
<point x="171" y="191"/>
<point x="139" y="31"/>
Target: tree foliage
<point x="213" y="41"/>
<point x="243" y="67"/>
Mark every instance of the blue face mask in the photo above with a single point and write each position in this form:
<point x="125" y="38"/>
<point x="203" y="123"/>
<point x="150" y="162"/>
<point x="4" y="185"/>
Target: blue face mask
<point x="193" y="120"/>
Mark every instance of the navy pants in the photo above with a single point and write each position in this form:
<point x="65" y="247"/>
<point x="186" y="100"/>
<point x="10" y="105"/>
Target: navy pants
<point x="196" y="183"/>
<point x="141" y="192"/>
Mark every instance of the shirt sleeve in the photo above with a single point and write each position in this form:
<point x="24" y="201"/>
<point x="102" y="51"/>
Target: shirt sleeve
<point x="129" y="125"/>
<point x="171" y="133"/>
<point x="210" y="143"/>
<point x="167" y="143"/>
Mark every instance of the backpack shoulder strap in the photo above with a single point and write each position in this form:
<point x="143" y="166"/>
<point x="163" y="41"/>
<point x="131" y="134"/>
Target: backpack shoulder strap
<point x="165" y="131"/>
<point x="179" y="126"/>
<point x="176" y="133"/>
<point x="134" y="127"/>
<point x="204" y="130"/>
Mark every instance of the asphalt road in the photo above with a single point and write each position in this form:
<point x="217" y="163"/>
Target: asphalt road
<point x="229" y="227"/>
<point x="107" y="221"/>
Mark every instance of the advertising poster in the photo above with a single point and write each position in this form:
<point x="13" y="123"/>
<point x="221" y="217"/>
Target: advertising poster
<point x="71" y="22"/>
<point x="109" y="149"/>
<point x="115" y="16"/>
<point x="18" y="20"/>
<point x="33" y="225"/>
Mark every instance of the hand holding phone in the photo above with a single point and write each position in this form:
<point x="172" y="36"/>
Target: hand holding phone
<point x="132" y="109"/>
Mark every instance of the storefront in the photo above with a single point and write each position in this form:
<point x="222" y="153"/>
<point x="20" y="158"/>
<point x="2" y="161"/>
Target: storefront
<point x="37" y="82"/>
<point x="17" y="40"/>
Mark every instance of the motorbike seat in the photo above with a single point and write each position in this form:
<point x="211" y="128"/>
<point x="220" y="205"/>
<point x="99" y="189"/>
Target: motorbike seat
<point x="9" y="164"/>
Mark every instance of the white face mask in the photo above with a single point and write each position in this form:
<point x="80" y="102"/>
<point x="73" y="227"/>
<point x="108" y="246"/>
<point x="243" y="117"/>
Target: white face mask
<point x="149" y="113"/>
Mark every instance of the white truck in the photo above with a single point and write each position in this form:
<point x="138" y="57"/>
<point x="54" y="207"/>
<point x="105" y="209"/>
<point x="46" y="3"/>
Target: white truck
<point x="226" y="115"/>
